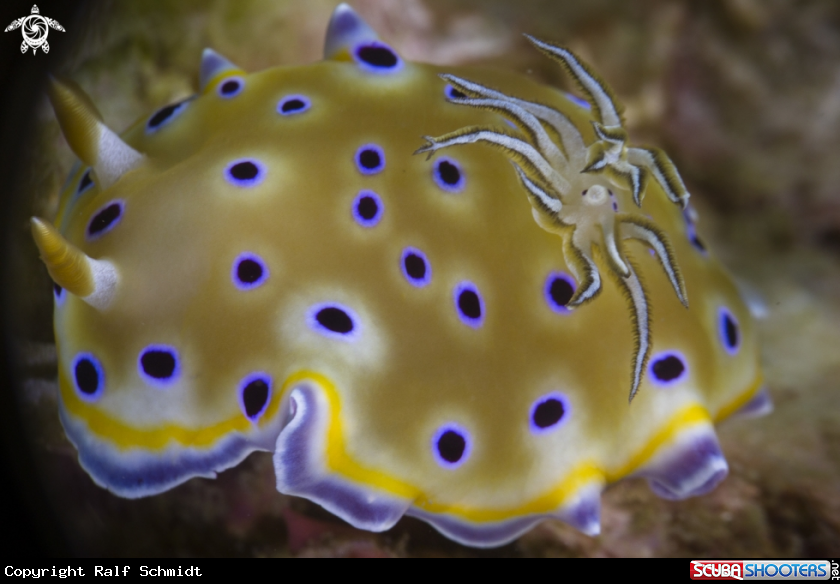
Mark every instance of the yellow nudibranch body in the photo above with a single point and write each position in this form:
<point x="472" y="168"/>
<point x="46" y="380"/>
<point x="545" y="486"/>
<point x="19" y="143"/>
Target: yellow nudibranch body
<point x="268" y="266"/>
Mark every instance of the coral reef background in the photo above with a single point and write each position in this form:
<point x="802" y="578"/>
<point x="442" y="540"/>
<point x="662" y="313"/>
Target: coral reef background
<point x="743" y="94"/>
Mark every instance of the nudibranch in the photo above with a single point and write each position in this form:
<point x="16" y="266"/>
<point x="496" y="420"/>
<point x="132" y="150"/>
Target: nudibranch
<point x="266" y="266"/>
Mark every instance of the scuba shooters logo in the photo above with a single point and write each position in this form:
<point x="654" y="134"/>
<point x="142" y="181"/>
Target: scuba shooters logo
<point x="761" y="570"/>
<point x="35" y="29"/>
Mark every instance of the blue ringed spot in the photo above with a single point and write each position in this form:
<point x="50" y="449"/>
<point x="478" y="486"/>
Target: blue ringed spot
<point x="577" y="100"/>
<point x="451" y="445"/>
<point x="245" y="172"/>
<point x="558" y="291"/>
<point x="60" y="294"/>
<point x="334" y="321"/>
<point x="88" y="377"/>
<point x="377" y="57"/>
<point x="230" y="87"/>
<point x="691" y="231"/>
<point x="730" y="333"/>
<point x="105" y="219"/>
<point x="293" y="104"/>
<point x="370" y="159"/>
<point x="165" y="116"/>
<point x="469" y="304"/>
<point x="667" y="369"/>
<point x="549" y="412"/>
<point x="448" y="175"/>
<point x="415" y="267"/>
<point x="159" y="365"/>
<point x="85" y="183"/>
<point x="367" y="208"/>
<point x="695" y="240"/>
<point x="249" y="271"/>
<point x="452" y="93"/>
<point x="254" y="393"/>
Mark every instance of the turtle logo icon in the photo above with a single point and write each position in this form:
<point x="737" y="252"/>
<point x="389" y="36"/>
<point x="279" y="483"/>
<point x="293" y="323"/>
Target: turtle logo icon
<point x="35" y="28"/>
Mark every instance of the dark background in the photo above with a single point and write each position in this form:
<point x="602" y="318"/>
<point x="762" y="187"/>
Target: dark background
<point x="29" y="525"/>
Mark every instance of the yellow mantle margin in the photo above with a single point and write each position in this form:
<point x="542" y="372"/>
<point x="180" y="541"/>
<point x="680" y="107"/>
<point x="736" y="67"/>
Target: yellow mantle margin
<point x="126" y="437"/>
<point x="585" y="474"/>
